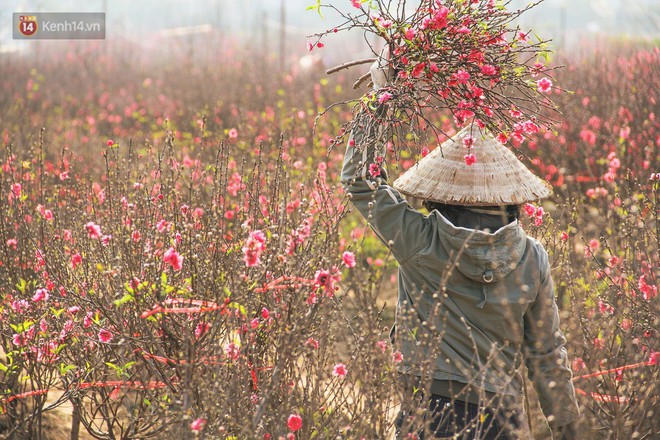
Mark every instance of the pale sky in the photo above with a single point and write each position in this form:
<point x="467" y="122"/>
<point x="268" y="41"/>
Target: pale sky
<point x="564" y="21"/>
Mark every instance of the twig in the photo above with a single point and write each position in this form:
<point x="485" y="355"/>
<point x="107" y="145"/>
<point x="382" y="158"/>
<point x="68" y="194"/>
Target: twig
<point x="361" y="80"/>
<point x="349" y="64"/>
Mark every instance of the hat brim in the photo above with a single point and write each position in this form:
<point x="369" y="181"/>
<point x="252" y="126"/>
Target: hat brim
<point x="498" y="177"/>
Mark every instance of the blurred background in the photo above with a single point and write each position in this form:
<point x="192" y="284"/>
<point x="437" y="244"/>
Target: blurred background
<point x="279" y="28"/>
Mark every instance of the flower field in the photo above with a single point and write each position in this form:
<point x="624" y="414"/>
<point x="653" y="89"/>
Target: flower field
<point x="179" y="260"/>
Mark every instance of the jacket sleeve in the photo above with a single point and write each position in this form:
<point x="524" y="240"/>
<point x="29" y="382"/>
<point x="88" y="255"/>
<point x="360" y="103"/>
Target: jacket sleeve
<point x="403" y="229"/>
<point x="545" y="353"/>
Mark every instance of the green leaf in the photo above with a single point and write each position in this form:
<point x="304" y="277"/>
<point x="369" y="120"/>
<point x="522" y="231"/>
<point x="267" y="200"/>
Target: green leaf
<point x="239" y="307"/>
<point x="124" y="299"/>
<point x="314" y="7"/>
<point x="317" y="8"/>
<point x="520" y="71"/>
<point x="113" y="366"/>
<point x="60" y="348"/>
<point x="20" y="328"/>
<point x="22" y="284"/>
<point x="66" y="368"/>
<point x="57" y="312"/>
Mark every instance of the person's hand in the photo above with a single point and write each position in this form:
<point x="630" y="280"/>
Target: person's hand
<point x="381" y="73"/>
<point x="566" y="432"/>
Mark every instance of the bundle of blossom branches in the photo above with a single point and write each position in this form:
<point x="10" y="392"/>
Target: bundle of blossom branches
<point x="464" y="57"/>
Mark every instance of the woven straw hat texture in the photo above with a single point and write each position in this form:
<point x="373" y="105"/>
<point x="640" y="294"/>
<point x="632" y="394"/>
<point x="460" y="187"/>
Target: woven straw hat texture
<point x="497" y="177"/>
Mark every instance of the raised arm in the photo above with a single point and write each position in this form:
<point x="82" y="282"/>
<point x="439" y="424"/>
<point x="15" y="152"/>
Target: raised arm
<point x="401" y="228"/>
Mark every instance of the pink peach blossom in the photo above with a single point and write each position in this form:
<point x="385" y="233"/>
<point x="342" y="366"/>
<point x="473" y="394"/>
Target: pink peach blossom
<point x="544" y="85"/>
<point x="489" y="70"/>
<point x="410" y="33"/>
<point x="76" y="259"/>
<point x="374" y="170"/>
<point x="18" y="340"/>
<point x="105" y="336"/>
<point x="232" y="351"/>
<point x="461" y="76"/>
<point x="530" y="209"/>
<point x="339" y="370"/>
<point x="40" y="295"/>
<point x="384" y="97"/>
<point x="172" y="257"/>
<point x="578" y="364"/>
<point x="253" y="248"/>
<point x="349" y="259"/>
<point x="16" y="189"/>
<point x="93" y="230"/>
<point x="198" y="424"/>
<point x="324" y="278"/>
<point x="502" y="138"/>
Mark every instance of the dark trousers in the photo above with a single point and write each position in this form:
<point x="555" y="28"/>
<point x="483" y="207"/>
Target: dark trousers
<point x="447" y="418"/>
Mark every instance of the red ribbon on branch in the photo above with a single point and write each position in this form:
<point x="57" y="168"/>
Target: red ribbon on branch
<point x="170" y="361"/>
<point x="136" y="385"/>
<point x="608" y="397"/>
<point x="603" y="397"/>
<point x="277" y="284"/>
<point x="617" y="369"/>
<point x="151" y="385"/>
<point x="201" y="306"/>
<point x="6" y="400"/>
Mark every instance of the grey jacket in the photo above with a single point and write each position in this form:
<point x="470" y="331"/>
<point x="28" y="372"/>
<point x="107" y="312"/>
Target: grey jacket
<point x="475" y="305"/>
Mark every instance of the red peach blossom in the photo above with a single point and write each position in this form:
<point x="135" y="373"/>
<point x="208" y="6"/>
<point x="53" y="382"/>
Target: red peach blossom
<point x="294" y="422"/>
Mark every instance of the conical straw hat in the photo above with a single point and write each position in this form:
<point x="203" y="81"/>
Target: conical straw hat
<point x="497" y="177"/>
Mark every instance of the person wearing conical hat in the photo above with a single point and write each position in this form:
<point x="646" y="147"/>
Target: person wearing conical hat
<point x="476" y="300"/>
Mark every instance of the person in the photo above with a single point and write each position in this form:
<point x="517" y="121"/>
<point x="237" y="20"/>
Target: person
<point x="476" y="298"/>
